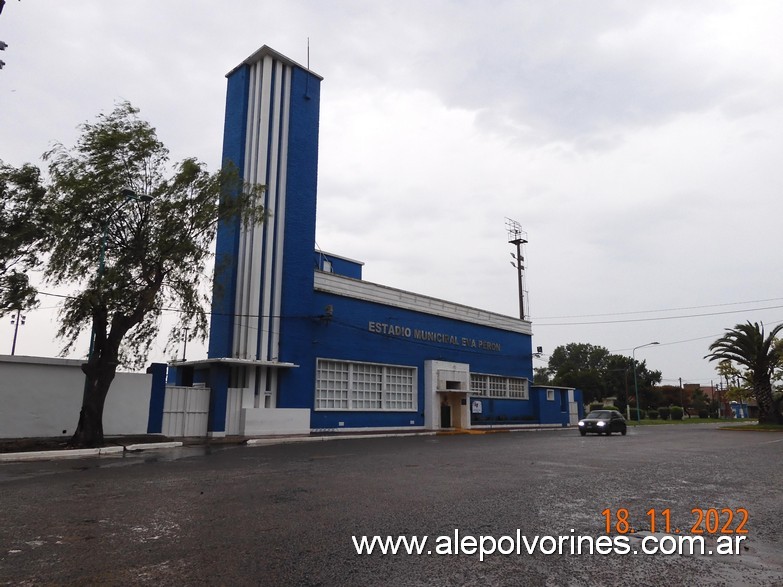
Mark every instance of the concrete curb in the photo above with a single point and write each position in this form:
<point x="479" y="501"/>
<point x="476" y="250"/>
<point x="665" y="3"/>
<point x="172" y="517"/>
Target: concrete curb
<point x="48" y="455"/>
<point x="519" y="427"/>
<point x="42" y="455"/>
<point x="295" y="439"/>
<point x="152" y="446"/>
<point x="265" y="441"/>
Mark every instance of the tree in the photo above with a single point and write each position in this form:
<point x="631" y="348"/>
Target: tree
<point x="541" y="376"/>
<point x="133" y="236"/>
<point x="598" y="373"/>
<point x="733" y="377"/>
<point x="748" y="345"/>
<point x="582" y="366"/>
<point x="21" y="226"/>
<point x="672" y="395"/>
<point x="618" y="378"/>
<point x="649" y="395"/>
<point x="700" y="401"/>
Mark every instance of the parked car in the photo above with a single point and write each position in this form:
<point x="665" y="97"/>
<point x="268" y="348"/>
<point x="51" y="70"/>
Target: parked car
<point x="603" y="422"/>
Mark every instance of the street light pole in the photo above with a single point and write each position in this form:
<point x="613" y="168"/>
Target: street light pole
<point x="635" y="384"/>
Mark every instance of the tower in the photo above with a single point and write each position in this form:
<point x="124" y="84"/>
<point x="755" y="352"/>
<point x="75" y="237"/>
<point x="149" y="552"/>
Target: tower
<point x="271" y="137"/>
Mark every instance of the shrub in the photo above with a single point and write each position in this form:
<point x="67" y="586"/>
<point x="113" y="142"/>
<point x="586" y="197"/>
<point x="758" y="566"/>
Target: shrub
<point x="596" y="406"/>
<point x="676" y="412"/>
<point x="652" y="414"/>
<point x="611" y="408"/>
<point x="663" y="413"/>
<point x="703" y="413"/>
<point x="638" y="414"/>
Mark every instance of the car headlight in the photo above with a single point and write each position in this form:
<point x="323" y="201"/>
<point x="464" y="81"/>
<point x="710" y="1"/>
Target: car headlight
<point x="601" y="423"/>
<point x="581" y="423"/>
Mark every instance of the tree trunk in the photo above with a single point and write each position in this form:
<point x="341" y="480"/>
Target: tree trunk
<point x="768" y="412"/>
<point x="98" y="378"/>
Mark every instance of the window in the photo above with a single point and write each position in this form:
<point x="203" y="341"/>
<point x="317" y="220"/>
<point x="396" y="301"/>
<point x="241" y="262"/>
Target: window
<point x="331" y="388"/>
<point x="367" y="387"/>
<point x="517" y="388"/>
<point x="341" y="385"/>
<point x="550" y="395"/>
<point x="478" y="385"/>
<point x="400" y="388"/>
<point x="496" y="386"/>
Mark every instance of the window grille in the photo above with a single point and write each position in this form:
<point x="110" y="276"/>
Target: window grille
<point x="496" y="386"/>
<point x="342" y="385"/>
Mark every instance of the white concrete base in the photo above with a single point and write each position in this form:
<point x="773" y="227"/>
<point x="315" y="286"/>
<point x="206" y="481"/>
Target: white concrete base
<point x="273" y="421"/>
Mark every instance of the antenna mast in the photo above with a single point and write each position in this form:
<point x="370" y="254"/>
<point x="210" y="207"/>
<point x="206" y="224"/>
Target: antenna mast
<point x="518" y="237"/>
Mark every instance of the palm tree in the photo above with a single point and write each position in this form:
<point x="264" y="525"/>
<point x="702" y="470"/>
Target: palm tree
<point x="746" y="345"/>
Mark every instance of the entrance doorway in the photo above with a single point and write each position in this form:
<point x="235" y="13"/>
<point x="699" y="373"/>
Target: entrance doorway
<point x="445" y="416"/>
<point x="446" y="390"/>
<point x="454" y="412"/>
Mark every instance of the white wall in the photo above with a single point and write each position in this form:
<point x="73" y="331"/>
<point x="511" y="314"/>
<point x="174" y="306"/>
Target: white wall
<point x="261" y="421"/>
<point x="42" y="397"/>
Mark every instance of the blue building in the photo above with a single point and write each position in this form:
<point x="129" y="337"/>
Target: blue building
<point x="299" y="342"/>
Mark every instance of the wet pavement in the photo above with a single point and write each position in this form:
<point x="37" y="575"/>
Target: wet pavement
<point x="285" y="514"/>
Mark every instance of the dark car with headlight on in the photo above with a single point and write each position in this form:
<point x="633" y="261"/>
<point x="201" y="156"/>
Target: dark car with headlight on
<point x="603" y="422"/>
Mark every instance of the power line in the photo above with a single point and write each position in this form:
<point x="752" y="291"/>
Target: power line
<point x="713" y="336"/>
<point x="660" y="318"/>
<point x="657" y="311"/>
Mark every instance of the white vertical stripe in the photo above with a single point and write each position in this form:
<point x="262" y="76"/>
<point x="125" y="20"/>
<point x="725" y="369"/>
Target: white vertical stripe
<point x="274" y="353"/>
<point x="259" y="292"/>
<point x="273" y="387"/>
<point x="254" y="153"/>
<point x="260" y="176"/>
<point x="274" y="227"/>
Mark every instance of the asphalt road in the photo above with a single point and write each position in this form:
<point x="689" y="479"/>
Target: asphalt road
<point x="285" y="514"/>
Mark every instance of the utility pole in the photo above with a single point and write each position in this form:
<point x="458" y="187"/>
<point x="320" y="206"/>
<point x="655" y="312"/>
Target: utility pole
<point x="682" y="401"/>
<point x="516" y="236"/>
<point x="16" y="321"/>
<point x="185" y="343"/>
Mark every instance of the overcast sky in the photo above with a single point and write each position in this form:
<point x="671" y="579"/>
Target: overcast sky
<point x="637" y="143"/>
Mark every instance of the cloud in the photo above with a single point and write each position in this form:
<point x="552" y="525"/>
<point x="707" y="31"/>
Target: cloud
<point x="636" y="142"/>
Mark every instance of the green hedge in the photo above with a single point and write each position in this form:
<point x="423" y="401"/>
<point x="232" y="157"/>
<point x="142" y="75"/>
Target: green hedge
<point x="652" y="414"/>
<point x="676" y="412"/>
<point x="641" y="414"/>
<point x="664" y="413"/>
